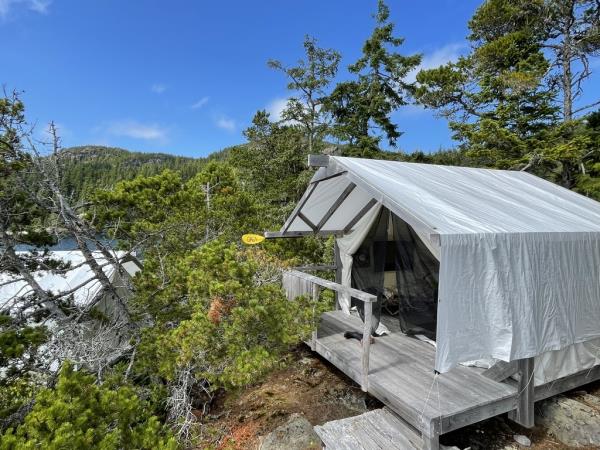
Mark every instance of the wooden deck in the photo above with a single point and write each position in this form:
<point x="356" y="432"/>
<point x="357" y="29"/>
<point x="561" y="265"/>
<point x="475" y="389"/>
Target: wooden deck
<point x="401" y="376"/>
<point x="380" y="429"/>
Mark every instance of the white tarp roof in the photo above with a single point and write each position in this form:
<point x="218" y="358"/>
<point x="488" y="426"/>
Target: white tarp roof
<point x="82" y="274"/>
<point x="519" y="256"/>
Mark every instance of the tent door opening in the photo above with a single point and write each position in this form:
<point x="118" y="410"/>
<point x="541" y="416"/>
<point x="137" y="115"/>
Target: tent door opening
<point x="393" y="263"/>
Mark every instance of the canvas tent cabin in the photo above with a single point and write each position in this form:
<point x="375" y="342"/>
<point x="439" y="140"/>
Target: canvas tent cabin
<point x="489" y="268"/>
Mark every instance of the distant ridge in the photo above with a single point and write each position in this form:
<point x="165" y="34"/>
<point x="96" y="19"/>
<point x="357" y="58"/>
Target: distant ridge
<point x="91" y="167"/>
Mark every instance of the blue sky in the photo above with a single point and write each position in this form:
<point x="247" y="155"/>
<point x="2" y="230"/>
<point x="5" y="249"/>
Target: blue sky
<point x="186" y="77"/>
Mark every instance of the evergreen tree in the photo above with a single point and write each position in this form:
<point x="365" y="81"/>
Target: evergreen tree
<point x="79" y="414"/>
<point x="571" y="31"/>
<point x="493" y="97"/>
<point x="501" y="98"/>
<point x="362" y="108"/>
<point x="310" y="79"/>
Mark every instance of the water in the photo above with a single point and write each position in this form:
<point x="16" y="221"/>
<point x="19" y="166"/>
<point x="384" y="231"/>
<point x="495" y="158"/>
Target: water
<point x="67" y="244"/>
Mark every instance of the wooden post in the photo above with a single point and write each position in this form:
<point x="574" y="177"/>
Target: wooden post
<point x="318" y="160"/>
<point x="524" y="414"/>
<point x="337" y="260"/>
<point x="316" y="290"/>
<point x="431" y="441"/>
<point x="366" y="345"/>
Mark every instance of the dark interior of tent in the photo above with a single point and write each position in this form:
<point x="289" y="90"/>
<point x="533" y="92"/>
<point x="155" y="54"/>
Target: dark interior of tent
<point x="394" y="264"/>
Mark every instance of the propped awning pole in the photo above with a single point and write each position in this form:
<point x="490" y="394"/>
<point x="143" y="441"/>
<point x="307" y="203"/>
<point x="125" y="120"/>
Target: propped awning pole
<point x="366" y="345"/>
<point x="524" y="415"/>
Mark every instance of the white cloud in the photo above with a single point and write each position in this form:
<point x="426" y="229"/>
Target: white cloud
<point x="439" y="57"/>
<point x="200" y="103"/>
<point x="137" y="130"/>
<point x="275" y="108"/>
<point x="226" y="123"/>
<point x="39" y="6"/>
<point x="158" y="88"/>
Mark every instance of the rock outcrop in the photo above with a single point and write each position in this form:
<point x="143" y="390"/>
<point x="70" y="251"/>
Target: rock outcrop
<point x="571" y="421"/>
<point x="296" y="434"/>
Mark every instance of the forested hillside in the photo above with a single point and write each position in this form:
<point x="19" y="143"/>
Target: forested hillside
<point x="207" y="316"/>
<point x="91" y="167"/>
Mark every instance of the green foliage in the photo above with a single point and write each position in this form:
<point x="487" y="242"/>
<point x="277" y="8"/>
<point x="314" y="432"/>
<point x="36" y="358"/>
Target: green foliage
<point x="210" y="308"/>
<point x="18" y="347"/>
<point x="272" y="166"/>
<point x="310" y="79"/>
<point x="502" y="100"/>
<point x="20" y="218"/>
<point x="12" y="114"/>
<point x="15" y="395"/>
<point x="362" y="108"/>
<point x="237" y="324"/>
<point x="79" y="414"/>
<point x="493" y="97"/>
<point x="179" y="215"/>
<point x="86" y="169"/>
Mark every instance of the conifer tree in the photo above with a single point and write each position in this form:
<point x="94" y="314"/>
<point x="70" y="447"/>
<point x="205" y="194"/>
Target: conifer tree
<point x="362" y="108"/>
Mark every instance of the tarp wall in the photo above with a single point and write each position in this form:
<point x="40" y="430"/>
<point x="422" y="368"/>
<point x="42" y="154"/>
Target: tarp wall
<point x="512" y="296"/>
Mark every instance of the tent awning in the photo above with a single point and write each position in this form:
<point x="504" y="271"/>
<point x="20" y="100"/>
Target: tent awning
<point x="438" y="200"/>
<point x="519" y="256"/>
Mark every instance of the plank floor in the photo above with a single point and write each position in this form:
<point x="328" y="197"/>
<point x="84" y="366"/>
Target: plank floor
<point x="401" y="376"/>
<point x="380" y="429"/>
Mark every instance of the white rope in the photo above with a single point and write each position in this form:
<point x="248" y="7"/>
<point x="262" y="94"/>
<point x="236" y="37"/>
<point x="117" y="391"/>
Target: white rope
<point x="530" y="378"/>
<point x="439" y="405"/>
<point x="427" y="399"/>
<point x="595" y="359"/>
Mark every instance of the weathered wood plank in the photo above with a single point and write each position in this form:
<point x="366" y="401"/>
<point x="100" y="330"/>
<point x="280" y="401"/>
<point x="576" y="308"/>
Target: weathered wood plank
<point x="401" y="376"/>
<point x="524" y="414"/>
<point x="298" y="234"/>
<point x="336" y="204"/>
<point x="317" y="267"/>
<point x="374" y="430"/>
<point x="338" y="271"/>
<point x="366" y="344"/>
<point x="365" y="209"/>
<point x="318" y="160"/>
<point x="307" y="221"/>
<point x="363" y="296"/>
<point x="501" y="370"/>
<point x="316" y="291"/>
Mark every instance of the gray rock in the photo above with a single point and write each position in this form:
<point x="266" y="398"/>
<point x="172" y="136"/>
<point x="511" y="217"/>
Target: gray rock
<point x="573" y="423"/>
<point x="446" y="447"/>
<point x="296" y="434"/>
<point x="591" y="400"/>
<point x="522" y="440"/>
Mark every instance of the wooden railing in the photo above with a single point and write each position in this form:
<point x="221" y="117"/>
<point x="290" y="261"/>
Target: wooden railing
<point x="368" y="299"/>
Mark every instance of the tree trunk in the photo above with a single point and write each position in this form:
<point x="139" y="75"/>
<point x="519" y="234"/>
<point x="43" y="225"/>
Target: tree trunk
<point x="565" y="56"/>
<point x="567" y="87"/>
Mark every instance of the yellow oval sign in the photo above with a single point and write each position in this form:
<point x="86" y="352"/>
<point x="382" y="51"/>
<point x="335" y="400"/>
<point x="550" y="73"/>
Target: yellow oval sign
<point x="252" y="239"/>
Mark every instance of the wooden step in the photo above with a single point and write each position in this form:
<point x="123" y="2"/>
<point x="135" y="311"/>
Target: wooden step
<point x="380" y="429"/>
